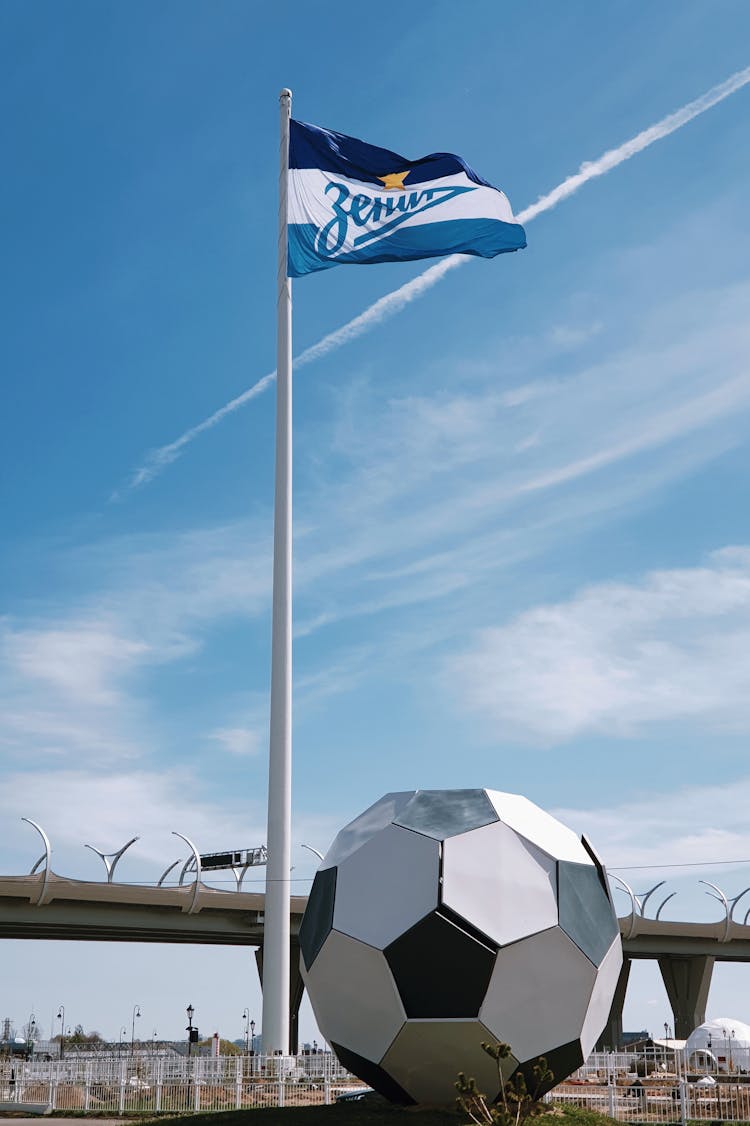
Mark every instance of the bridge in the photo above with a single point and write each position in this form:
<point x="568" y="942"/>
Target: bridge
<point x="44" y="905"/>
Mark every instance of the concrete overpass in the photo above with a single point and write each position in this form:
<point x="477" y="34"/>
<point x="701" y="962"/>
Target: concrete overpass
<point x="686" y="953"/>
<point x="47" y="906"/>
<point x="114" y="912"/>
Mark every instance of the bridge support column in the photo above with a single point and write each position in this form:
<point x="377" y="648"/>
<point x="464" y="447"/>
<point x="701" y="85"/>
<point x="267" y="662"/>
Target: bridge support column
<point x="687" y="981"/>
<point x="296" y="992"/>
<point x="611" y="1037"/>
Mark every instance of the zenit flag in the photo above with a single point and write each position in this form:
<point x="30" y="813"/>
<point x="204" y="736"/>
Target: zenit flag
<point x="353" y="202"/>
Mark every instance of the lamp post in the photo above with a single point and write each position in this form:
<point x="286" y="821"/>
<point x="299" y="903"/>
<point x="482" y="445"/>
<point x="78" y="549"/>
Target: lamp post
<point x="190" y="1010"/>
<point x="123" y="1032"/>
<point x="252" y="1037"/>
<point x="61" y="1018"/>
<point x="136" y="1013"/>
<point x="246" y="1018"/>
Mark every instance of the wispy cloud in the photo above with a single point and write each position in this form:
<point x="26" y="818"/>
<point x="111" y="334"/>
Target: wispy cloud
<point x="429" y="498"/>
<point x="84" y="660"/>
<point x="382" y="310"/>
<point x="619" y="657"/>
<point x="237" y="740"/>
<point x="77" y="807"/>
<point x="392" y="303"/>
<point x="695" y="823"/>
<point x="72" y="678"/>
<point x="433" y="491"/>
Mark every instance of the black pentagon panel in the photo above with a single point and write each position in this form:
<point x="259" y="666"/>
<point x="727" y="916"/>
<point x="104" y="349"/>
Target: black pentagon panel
<point x="562" y="1062"/>
<point x="373" y="1074"/>
<point x="598" y="864"/>
<point x="468" y="928"/>
<point x="318" y="917"/>
<point x="446" y="813"/>
<point x="441" y="970"/>
<point x="586" y="914"/>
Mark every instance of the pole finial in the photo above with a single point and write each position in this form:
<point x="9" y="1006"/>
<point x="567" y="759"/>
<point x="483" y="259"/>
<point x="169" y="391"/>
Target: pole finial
<point x="285" y="93"/>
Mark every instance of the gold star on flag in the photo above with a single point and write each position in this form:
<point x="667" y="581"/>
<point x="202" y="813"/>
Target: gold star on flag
<point x="394" y="181"/>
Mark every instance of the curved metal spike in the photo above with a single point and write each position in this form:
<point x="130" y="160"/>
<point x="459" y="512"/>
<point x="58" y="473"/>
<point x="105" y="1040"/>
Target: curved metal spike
<point x="111" y="858"/>
<point x="188" y="866"/>
<point x="633" y="902"/>
<point x="663" y="904"/>
<point x="197" y="860"/>
<point x="47" y="857"/>
<point x="239" y="875"/>
<point x="736" y="900"/>
<point x="721" y="898"/>
<point x="311" y="849"/>
<point x="166" y="871"/>
<point x="643" y="899"/>
<point x="747" y="915"/>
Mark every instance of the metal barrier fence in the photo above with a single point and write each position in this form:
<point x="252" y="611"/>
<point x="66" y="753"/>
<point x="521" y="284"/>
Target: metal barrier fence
<point x="666" y="1100"/>
<point x="152" y="1084"/>
<point x="142" y="1084"/>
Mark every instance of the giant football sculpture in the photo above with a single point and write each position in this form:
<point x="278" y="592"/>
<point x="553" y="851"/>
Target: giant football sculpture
<point x="443" y="918"/>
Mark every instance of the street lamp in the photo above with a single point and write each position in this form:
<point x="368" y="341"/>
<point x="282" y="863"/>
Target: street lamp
<point x="136" y="1013"/>
<point x="123" y="1032"/>
<point x="252" y="1037"/>
<point x="667" y="1031"/>
<point x="190" y="1010"/>
<point x="61" y="1018"/>
<point x="246" y="1018"/>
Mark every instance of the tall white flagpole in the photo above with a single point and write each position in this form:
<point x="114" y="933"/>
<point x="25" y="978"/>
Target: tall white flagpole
<point x="275" y="1026"/>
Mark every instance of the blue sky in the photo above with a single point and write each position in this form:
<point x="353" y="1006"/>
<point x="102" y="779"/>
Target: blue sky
<point x="522" y="547"/>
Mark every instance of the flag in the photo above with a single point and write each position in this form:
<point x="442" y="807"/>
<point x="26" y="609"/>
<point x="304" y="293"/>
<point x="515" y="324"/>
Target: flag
<point x="350" y="202"/>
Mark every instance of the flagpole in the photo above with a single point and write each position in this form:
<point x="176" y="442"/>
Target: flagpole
<point x="275" y="1026"/>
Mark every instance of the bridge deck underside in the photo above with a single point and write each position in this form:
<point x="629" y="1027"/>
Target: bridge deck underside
<point x="105" y="922"/>
<point x="91" y="911"/>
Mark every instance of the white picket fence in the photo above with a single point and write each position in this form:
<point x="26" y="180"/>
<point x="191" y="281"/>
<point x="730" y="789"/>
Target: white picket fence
<point x="666" y="1100"/>
<point x="149" y="1083"/>
<point x="143" y="1084"/>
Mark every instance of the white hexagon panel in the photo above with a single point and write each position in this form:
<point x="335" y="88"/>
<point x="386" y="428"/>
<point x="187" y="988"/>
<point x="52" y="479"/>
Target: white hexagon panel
<point x="443" y="918"/>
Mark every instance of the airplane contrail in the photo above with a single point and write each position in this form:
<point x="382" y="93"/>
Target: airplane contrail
<point x="381" y="310"/>
<point x="386" y="307"/>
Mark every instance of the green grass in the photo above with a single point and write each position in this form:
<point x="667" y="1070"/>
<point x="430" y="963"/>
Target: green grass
<point x="579" y="1116"/>
<point x="338" y="1114"/>
<point x="368" y="1114"/>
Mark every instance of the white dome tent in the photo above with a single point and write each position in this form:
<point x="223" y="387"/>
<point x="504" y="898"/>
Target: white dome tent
<point x="722" y="1044"/>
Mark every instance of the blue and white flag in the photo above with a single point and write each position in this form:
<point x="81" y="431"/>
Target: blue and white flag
<point x="353" y="202"/>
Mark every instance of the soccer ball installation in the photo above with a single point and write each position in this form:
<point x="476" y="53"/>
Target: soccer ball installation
<point x="443" y="918"/>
